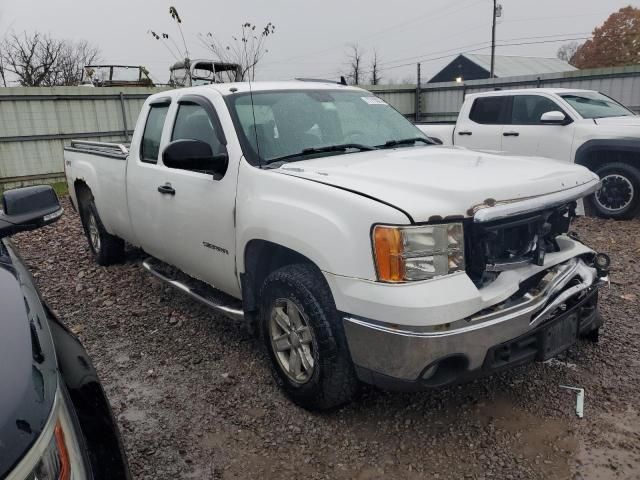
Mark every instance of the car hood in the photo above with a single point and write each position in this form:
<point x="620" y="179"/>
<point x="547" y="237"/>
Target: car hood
<point x="28" y="374"/>
<point x="437" y="181"/>
<point x="628" y="121"/>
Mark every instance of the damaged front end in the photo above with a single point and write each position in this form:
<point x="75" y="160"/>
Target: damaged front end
<point x="506" y="244"/>
<point x="507" y="235"/>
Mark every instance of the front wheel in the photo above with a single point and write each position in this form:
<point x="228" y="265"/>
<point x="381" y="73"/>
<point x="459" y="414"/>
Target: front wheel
<point x="305" y="340"/>
<point x="619" y="194"/>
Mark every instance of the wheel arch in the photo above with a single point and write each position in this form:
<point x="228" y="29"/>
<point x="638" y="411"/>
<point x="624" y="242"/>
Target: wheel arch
<point x="82" y="191"/>
<point x="261" y="257"/>
<point x="595" y="153"/>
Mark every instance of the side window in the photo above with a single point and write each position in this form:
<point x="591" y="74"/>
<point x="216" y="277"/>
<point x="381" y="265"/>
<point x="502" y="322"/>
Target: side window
<point x="193" y="123"/>
<point x="152" y="134"/>
<point x="527" y="109"/>
<point x="490" y="110"/>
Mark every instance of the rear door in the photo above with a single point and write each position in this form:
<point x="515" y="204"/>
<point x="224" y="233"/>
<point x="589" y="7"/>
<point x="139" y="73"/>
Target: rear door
<point x="144" y="174"/>
<point x="481" y="129"/>
<point x="527" y="135"/>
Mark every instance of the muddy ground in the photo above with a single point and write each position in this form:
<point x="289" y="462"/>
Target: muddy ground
<point x="194" y="398"/>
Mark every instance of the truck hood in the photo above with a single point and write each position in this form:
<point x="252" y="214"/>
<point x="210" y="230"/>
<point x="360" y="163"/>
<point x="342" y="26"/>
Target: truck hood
<point x="438" y="181"/>
<point x="629" y="121"/>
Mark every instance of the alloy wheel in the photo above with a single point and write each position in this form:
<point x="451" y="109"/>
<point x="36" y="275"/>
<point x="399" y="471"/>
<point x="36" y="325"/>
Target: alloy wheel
<point x="615" y="194"/>
<point x="292" y="340"/>
<point x="94" y="233"/>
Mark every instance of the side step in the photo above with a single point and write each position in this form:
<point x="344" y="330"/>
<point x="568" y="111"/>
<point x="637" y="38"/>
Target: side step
<point x="215" y="299"/>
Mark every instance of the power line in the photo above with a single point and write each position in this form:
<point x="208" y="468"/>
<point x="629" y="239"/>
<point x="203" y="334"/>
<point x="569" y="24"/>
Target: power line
<point x="478" y="46"/>
<point x="429" y="15"/>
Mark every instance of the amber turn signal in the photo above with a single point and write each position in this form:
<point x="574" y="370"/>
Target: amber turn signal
<point x="388" y="251"/>
<point x="63" y="454"/>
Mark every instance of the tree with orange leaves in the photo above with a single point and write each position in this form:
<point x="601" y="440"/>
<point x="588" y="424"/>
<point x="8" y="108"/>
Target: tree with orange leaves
<point x="615" y="43"/>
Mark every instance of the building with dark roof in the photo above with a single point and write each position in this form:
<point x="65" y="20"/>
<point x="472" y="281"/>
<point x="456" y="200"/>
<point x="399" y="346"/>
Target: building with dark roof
<point x="470" y="66"/>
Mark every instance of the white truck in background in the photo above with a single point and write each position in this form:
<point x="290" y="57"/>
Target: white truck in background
<point x="581" y="126"/>
<point x="358" y="249"/>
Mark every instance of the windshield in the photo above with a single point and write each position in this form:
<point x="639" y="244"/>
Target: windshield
<point x="310" y="122"/>
<point x="596" y="105"/>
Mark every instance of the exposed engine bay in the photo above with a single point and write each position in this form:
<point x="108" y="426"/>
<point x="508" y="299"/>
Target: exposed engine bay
<point x="494" y="247"/>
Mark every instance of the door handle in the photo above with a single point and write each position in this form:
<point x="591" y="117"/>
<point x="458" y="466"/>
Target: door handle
<point x="166" y="189"/>
<point x="511" y="134"/>
<point x="466" y="132"/>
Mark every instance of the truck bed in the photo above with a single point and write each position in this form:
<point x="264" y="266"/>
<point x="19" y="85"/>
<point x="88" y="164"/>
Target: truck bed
<point x="102" y="167"/>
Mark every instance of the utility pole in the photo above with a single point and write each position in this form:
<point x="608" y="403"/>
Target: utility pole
<point x="493" y="38"/>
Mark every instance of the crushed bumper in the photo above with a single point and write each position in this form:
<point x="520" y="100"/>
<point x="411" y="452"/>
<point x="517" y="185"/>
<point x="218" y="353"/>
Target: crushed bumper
<point x="532" y="325"/>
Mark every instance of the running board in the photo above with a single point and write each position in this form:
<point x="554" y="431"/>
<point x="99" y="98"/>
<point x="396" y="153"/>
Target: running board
<point x="215" y="299"/>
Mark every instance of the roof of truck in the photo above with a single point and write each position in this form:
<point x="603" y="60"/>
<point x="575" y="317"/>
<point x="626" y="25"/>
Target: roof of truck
<point x="241" y="87"/>
<point x="556" y="91"/>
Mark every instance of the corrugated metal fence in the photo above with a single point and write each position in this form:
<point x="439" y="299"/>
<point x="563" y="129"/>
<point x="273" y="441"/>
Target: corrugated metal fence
<point x="36" y="122"/>
<point x="441" y="102"/>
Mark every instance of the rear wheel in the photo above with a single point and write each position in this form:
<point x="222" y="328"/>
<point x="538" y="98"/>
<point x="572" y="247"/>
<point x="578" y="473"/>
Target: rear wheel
<point x="305" y="339"/>
<point x="107" y="249"/>
<point x="619" y="194"/>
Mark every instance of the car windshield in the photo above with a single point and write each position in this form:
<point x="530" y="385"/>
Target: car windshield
<point x="294" y="125"/>
<point x="596" y="105"/>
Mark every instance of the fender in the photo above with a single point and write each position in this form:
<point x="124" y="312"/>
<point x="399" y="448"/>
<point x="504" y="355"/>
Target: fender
<point x="626" y="145"/>
<point x="329" y="226"/>
<point x="104" y="445"/>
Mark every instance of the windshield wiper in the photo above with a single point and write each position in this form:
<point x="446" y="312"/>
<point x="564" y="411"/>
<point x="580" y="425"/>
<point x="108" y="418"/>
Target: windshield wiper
<point x="343" y="147"/>
<point x="405" y="141"/>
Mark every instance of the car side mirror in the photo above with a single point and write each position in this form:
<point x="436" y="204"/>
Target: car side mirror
<point x="195" y="155"/>
<point x="28" y="208"/>
<point x="553" y="118"/>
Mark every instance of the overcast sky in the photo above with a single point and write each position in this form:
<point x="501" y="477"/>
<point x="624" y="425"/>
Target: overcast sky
<point x="312" y="36"/>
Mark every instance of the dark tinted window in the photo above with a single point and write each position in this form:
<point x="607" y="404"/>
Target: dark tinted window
<point x="490" y="110"/>
<point x="527" y="109"/>
<point x="153" y="133"/>
<point x="193" y="123"/>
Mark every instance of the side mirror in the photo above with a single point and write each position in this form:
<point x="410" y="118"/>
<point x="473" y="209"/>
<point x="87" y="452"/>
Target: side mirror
<point x="28" y="208"/>
<point x="195" y="155"/>
<point x="553" y="118"/>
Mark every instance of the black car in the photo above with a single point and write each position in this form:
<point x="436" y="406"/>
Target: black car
<point x="55" y="421"/>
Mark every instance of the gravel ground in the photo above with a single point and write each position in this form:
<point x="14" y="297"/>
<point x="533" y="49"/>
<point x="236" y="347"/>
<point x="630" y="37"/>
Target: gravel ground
<point x="194" y="398"/>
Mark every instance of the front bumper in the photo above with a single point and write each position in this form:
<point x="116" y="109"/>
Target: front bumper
<point x="505" y="335"/>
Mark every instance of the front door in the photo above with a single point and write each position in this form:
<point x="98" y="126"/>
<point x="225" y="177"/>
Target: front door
<point x="527" y="135"/>
<point x="198" y="208"/>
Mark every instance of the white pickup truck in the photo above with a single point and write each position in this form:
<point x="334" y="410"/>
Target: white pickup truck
<point x="356" y="248"/>
<point x="580" y="126"/>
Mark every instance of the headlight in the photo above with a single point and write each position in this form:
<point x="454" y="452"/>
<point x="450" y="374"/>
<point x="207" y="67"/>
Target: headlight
<point x="54" y="463"/>
<point x="56" y="454"/>
<point x="406" y="254"/>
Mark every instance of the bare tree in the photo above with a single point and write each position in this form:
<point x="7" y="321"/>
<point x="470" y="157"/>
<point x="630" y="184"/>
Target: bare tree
<point x="38" y="60"/>
<point x="375" y="69"/>
<point x="30" y="58"/>
<point x="2" y="74"/>
<point x="73" y="58"/>
<point x="355" y="62"/>
<point x="568" y="51"/>
<point x="247" y="50"/>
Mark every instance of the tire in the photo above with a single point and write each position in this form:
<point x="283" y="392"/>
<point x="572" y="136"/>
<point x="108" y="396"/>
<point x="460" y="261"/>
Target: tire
<point x="619" y="196"/>
<point x="107" y="249"/>
<point x="317" y="338"/>
<point x="593" y="335"/>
